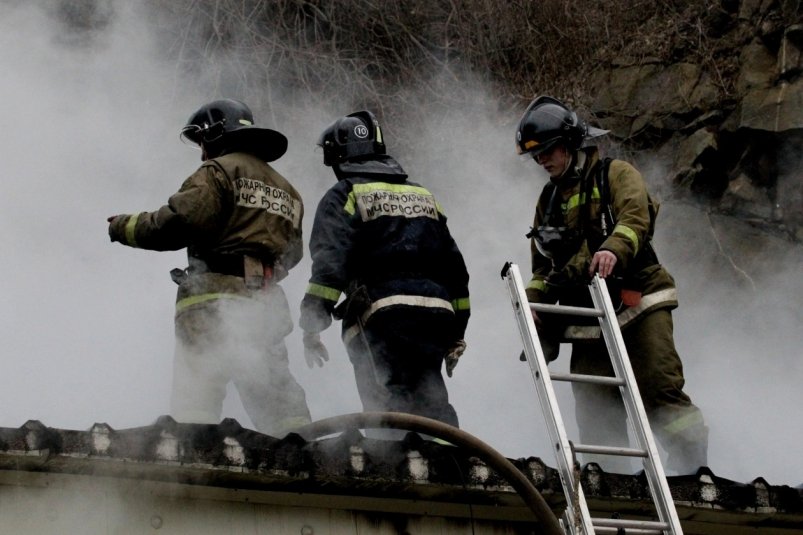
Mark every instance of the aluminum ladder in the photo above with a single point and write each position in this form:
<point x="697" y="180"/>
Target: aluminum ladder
<point x="577" y="519"/>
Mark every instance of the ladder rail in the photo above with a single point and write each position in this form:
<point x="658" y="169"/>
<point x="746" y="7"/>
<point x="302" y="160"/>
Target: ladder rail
<point x="576" y="508"/>
<point x="634" y="406"/>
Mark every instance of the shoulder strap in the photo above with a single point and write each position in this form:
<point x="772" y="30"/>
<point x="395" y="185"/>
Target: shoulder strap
<point x="551" y="191"/>
<point x="605" y="193"/>
<point x="602" y="181"/>
<point x="599" y="176"/>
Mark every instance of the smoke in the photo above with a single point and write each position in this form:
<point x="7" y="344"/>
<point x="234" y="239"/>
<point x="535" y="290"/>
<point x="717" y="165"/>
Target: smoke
<point x="738" y="332"/>
<point x="88" y="325"/>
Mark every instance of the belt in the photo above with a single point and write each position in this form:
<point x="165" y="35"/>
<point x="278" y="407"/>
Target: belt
<point x="224" y="264"/>
<point x="257" y="273"/>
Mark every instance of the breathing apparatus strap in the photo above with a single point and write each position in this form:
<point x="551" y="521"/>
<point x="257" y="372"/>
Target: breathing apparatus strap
<point x="553" y="200"/>
<point x="605" y="195"/>
<point x="585" y="200"/>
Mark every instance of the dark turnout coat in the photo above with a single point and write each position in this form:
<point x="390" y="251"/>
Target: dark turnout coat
<point x="377" y="231"/>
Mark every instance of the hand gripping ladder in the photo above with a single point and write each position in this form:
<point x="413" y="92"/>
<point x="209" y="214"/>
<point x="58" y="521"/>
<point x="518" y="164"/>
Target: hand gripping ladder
<point x="577" y="519"/>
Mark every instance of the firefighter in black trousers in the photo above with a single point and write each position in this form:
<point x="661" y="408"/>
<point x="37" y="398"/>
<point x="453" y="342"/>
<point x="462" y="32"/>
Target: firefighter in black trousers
<point x="384" y="242"/>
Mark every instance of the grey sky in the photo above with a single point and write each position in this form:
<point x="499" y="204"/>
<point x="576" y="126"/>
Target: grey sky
<point x="87" y="325"/>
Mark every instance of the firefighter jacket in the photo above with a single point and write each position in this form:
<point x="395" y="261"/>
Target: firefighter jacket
<point x="619" y="217"/>
<point x="384" y="242"/>
<point x="233" y="206"/>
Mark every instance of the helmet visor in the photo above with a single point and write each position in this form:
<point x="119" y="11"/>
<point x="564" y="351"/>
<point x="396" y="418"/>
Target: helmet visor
<point x="191" y="135"/>
<point x="206" y="133"/>
<point x="534" y="148"/>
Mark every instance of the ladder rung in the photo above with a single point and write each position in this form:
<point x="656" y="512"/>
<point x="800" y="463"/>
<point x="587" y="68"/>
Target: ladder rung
<point x="631" y="531"/>
<point x="610" y="450"/>
<point x="593" y="379"/>
<point x="629" y="524"/>
<point x="631" y="527"/>
<point x="567" y="310"/>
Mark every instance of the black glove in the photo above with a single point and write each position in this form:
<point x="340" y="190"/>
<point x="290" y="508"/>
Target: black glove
<point x="453" y="356"/>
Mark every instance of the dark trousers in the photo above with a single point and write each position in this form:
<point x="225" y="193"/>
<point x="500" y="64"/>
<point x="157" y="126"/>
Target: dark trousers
<point x="397" y="363"/>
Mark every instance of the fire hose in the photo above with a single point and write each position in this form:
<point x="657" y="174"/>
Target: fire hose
<point x="409" y="422"/>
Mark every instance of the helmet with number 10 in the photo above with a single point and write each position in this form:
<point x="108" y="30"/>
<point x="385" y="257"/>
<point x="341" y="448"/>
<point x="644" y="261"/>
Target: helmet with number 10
<point x="356" y="136"/>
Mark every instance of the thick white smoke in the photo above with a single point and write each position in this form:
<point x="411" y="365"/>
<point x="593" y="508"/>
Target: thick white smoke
<point x="87" y="326"/>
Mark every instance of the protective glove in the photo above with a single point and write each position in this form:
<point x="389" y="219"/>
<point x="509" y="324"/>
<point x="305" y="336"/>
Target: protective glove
<point x="117" y="224"/>
<point x="113" y="230"/>
<point x="453" y="355"/>
<point x="314" y="350"/>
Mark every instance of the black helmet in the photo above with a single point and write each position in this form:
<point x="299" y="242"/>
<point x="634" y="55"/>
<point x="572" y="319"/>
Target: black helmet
<point x="229" y="125"/>
<point x="353" y="137"/>
<point x="548" y="122"/>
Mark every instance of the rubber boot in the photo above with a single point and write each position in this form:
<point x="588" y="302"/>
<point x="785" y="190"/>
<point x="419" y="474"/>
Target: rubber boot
<point x="687" y="454"/>
<point x="551" y="347"/>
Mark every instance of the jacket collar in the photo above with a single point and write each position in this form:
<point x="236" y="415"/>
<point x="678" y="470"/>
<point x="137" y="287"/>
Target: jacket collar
<point x="383" y="167"/>
<point x="582" y="162"/>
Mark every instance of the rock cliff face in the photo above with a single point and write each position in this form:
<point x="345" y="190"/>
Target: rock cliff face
<point x="730" y="129"/>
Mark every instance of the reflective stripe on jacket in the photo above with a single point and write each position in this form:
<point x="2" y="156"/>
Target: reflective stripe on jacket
<point x="391" y="301"/>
